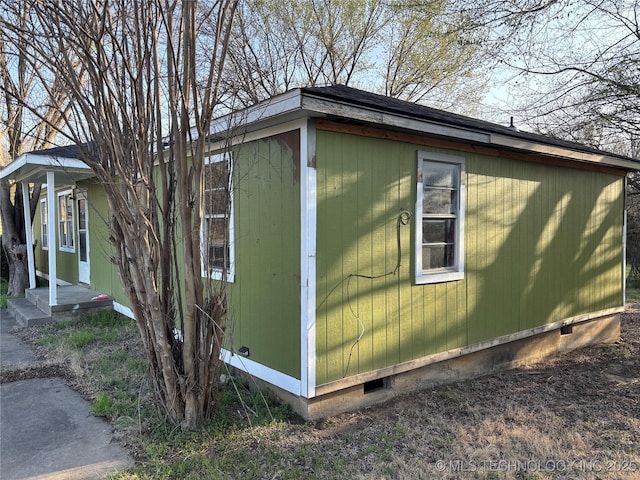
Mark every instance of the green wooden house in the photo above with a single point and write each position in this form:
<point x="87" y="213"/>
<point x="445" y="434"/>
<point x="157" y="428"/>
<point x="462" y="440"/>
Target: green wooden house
<point x="378" y="246"/>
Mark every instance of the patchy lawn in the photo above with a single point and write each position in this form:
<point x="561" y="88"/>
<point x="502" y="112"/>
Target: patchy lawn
<point x="576" y="416"/>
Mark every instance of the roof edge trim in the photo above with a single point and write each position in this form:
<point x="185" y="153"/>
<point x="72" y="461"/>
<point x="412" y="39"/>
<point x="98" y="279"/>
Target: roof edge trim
<point x="273" y="107"/>
<point x="42" y="161"/>
<point x="562" y="152"/>
<point x="381" y="117"/>
<point x="305" y="103"/>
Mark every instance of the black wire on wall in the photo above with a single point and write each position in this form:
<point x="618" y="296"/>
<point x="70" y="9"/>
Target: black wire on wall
<point x="403" y="219"/>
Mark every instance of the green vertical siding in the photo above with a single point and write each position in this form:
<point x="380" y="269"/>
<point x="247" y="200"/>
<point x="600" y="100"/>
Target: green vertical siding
<point x="40" y="255"/>
<point x="104" y="274"/>
<point x="542" y="243"/>
<point x="66" y="262"/>
<point x="265" y="295"/>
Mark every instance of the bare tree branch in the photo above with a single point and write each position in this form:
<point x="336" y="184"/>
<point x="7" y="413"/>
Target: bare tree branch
<point x="142" y="88"/>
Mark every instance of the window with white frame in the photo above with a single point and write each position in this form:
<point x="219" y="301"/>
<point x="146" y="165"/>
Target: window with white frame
<point x="65" y="221"/>
<point x="439" y="226"/>
<point x="217" y="227"/>
<point x="44" y="225"/>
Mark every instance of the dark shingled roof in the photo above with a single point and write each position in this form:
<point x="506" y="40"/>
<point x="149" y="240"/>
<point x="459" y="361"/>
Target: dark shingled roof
<point x="69" y="151"/>
<point x="373" y="101"/>
<point x="353" y="96"/>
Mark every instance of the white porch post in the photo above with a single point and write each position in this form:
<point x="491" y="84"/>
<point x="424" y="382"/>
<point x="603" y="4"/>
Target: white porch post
<point x="29" y="234"/>
<point x="51" y="232"/>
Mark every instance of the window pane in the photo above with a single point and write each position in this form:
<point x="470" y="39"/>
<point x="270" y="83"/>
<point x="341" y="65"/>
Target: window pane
<point x="437" y="256"/>
<point x="45" y="219"/>
<point x="438" y="231"/>
<point x="217" y="230"/>
<point x="82" y="214"/>
<point x="69" y="231"/>
<point x="439" y="201"/>
<point x="61" y="209"/>
<point x="82" y="237"/>
<point x="216" y="256"/>
<point x="215" y="202"/>
<point x="440" y="174"/>
<point x="216" y="175"/>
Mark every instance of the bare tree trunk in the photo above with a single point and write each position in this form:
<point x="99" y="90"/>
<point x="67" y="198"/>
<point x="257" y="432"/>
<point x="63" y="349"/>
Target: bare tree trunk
<point x="14" y="235"/>
<point x="130" y="96"/>
<point x="19" y="81"/>
<point x="18" y="268"/>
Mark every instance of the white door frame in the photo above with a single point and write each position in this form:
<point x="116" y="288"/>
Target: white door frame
<point x="84" y="270"/>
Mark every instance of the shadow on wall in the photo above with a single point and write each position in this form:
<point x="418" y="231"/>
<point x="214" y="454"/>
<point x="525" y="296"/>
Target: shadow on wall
<point x="558" y="255"/>
<point x="541" y="244"/>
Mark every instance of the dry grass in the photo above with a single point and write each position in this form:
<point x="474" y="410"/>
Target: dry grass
<point x="574" y="417"/>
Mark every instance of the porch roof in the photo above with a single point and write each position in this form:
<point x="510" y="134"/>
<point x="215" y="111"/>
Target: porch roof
<point x="32" y="167"/>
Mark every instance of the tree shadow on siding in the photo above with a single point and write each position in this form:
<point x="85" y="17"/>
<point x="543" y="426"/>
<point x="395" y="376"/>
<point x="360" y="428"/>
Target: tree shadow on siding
<point x="556" y="261"/>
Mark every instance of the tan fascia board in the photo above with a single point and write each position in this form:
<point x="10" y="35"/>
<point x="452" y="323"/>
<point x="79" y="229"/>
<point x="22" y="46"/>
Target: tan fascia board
<point x="268" y="112"/>
<point x="295" y="104"/>
<point x="374" y="116"/>
<point x="558" y="151"/>
<point x="463" y="134"/>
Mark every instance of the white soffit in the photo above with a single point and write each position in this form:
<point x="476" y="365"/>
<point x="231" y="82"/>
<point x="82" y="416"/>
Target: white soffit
<point x="32" y="168"/>
<point x="268" y="110"/>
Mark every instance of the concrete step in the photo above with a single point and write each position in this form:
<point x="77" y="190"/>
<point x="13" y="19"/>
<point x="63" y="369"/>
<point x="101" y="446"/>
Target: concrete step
<point x="73" y="302"/>
<point x="41" y="301"/>
<point x="26" y="313"/>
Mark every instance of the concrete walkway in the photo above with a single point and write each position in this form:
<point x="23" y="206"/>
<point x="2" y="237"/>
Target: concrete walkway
<point x="46" y="429"/>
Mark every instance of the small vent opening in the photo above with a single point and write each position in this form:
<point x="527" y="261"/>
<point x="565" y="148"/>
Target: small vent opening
<point x="566" y="330"/>
<point x="374" y="385"/>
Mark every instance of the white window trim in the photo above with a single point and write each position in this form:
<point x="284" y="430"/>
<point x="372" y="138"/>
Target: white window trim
<point x="457" y="271"/>
<point x="44" y="220"/>
<point x="217" y="273"/>
<point x="61" y="247"/>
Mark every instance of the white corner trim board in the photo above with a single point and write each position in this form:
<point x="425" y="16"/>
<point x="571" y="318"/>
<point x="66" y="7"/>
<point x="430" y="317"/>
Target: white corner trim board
<point x="126" y="311"/>
<point x="308" y="223"/>
<point x="279" y="379"/>
<point x="274" y="377"/>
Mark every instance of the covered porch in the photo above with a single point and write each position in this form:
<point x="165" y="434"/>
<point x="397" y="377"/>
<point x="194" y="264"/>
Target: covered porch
<point x="55" y="169"/>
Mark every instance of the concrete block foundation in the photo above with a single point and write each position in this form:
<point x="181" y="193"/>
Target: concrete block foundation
<point x="463" y="364"/>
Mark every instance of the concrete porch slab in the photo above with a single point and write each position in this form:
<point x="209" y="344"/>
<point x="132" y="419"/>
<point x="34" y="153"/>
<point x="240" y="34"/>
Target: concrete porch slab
<point x="73" y="301"/>
<point x="69" y="297"/>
